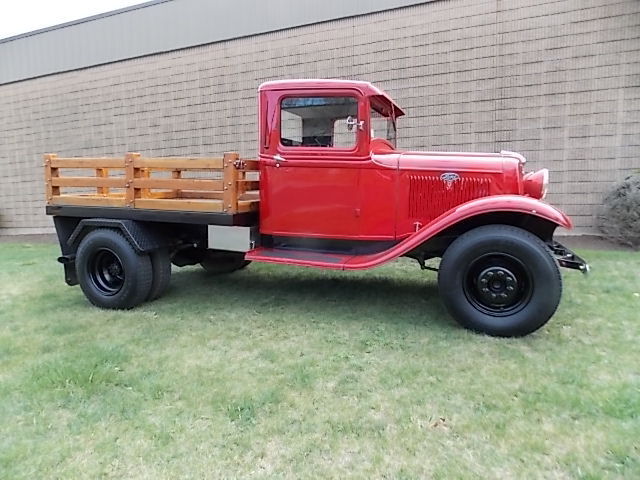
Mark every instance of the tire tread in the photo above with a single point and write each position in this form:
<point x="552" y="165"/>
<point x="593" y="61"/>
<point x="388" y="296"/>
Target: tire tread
<point x="161" y="268"/>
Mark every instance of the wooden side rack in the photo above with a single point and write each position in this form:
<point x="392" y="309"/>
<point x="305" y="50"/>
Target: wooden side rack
<point x="165" y="183"/>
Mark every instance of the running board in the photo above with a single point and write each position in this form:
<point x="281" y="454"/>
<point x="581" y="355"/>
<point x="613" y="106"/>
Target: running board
<point x="310" y="258"/>
<point x="298" y="257"/>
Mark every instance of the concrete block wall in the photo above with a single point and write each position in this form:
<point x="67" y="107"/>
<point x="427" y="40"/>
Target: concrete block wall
<point x="558" y="81"/>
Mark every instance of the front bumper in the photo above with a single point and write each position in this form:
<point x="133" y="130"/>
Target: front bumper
<point x="568" y="259"/>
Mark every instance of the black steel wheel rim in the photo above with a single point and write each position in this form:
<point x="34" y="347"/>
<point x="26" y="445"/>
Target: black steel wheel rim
<point x="106" y="272"/>
<point x="498" y="284"/>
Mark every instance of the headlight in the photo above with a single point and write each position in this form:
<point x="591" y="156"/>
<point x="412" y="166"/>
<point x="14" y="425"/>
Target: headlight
<point x="536" y="183"/>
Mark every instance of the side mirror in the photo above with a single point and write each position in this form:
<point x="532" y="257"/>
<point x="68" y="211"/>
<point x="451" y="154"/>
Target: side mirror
<point x="344" y="135"/>
<point x="353" y="122"/>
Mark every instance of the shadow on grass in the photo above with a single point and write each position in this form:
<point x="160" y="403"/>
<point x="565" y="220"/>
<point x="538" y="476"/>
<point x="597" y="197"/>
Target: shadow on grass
<point x="395" y="298"/>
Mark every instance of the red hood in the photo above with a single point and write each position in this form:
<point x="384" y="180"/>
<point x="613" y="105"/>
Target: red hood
<point x="460" y="161"/>
<point x="504" y="170"/>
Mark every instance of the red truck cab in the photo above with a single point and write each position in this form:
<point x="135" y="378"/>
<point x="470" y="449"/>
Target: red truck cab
<point x="316" y="158"/>
<point x="337" y="192"/>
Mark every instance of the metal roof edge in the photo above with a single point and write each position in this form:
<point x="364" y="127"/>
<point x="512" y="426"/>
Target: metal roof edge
<point x="79" y="21"/>
<point x="85" y="43"/>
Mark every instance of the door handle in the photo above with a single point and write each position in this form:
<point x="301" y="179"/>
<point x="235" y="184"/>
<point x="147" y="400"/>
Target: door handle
<point x="279" y="159"/>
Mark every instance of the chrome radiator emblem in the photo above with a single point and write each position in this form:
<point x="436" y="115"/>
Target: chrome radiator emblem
<point x="449" y="178"/>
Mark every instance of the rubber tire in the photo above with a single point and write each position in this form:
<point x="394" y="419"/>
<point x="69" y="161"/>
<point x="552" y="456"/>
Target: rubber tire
<point x="161" y="267"/>
<point x="519" y="243"/>
<point x="137" y="268"/>
<point x="217" y="263"/>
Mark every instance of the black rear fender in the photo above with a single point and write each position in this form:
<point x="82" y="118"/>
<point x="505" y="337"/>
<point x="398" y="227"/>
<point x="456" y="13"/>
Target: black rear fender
<point x="142" y="236"/>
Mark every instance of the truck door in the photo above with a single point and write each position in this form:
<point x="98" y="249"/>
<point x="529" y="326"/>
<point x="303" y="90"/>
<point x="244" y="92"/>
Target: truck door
<point x="311" y="170"/>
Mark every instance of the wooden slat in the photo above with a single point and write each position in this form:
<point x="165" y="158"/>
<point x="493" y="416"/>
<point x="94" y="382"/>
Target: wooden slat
<point x="129" y="173"/>
<point x="176" y="174"/>
<point x="142" y="173"/>
<point x="86" y="162"/>
<point x="245" y="185"/>
<point x="179" y="163"/>
<point x="178" y="184"/>
<point x="170" y="194"/>
<point x="252" y="196"/>
<point x="247" y="205"/>
<point x="230" y="198"/>
<point x="88" y="182"/>
<point x="233" y="193"/>
<point x="49" y="175"/>
<point x="179" y="204"/>
<point x="201" y="195"/>
<point x="102" y="173"/>
<point x="88" y="200"/>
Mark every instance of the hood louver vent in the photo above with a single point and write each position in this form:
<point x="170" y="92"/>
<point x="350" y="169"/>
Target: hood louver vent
<point x="430" y="196"/>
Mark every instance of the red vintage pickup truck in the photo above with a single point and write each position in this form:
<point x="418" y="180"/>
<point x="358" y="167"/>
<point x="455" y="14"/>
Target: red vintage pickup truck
<point x="329" y="189"/>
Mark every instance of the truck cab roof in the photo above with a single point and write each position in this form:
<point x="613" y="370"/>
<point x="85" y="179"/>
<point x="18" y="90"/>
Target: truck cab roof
<point x="365" y="88"/>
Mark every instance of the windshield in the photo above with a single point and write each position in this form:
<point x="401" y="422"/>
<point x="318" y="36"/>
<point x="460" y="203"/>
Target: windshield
<point x="383" y="126"/>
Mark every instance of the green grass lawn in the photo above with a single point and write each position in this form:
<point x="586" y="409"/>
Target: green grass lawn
<point x="277" y="372"/>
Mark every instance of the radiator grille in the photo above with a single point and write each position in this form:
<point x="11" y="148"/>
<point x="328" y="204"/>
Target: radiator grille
<point x="430" y="197"/>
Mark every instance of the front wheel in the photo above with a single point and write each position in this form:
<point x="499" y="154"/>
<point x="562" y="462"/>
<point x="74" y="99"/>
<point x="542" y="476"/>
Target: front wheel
<point x="500" y="280"/>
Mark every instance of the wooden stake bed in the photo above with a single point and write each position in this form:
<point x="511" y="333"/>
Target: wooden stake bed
<point x="183" y="184"/>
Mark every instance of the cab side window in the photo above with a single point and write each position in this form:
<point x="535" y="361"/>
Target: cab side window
<point x="319" y="122"/>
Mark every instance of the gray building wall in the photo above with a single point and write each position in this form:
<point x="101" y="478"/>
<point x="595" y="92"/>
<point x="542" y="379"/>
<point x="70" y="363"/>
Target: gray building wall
<point x="161" y="26"/>
<point x="558" y="81"/>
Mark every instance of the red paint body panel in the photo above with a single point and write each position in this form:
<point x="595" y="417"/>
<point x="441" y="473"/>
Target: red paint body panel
<point x="501" y="203"/>
<point x="291" y="205"/>
<point x="374" y="191"/>
<point x="424" y="196"/>
<point x="378" y="203"/>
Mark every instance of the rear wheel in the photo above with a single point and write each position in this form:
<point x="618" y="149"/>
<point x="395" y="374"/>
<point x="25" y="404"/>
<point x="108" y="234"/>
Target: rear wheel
<point x="500" y="280"/>
<point x="218" y="262"/>
<point x="110" y="271"/>
<point x="161" y="267"/>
